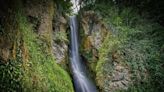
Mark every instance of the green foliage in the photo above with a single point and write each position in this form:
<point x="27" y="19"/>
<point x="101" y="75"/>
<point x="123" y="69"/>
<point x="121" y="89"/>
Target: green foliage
<point x="34" y="68"/>
<point x="11" y="75"/>
<point x="41" y="73"/>
<point x="10" y="70"/>
<point x="88" y="55"/>
<point x="104" y="64"/>
<point x="64" y="6"/>
<point x="60" y="37"/>
<point x="140" y="43"/>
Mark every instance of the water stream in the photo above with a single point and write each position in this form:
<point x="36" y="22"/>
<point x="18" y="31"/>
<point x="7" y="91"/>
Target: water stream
<point x="81" y="81"/>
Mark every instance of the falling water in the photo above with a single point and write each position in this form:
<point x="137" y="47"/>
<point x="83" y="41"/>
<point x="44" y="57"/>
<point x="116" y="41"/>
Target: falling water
<point x="81" y="81"/>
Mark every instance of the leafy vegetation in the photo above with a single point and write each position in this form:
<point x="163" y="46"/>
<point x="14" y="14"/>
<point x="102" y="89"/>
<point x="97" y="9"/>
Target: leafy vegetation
<point x="139" y="42"/>
<point x="149" y="7"/>
<point x="64" y="6"/>
<point x="42" y="73"/>
<point x="11" y="75"/>
<point x="34" y="68"/>
<point x="137" y="39"/>
<point x="140" y="46"/>
<point x="60" y="37"/>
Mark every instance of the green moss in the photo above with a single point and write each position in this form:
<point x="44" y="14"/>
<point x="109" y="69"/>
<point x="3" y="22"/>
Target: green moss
<point x="104" y="67"/>
<point x="60" y="37"/>
<point x="139" y="42"/>
<point x="41" y="73"/>
<point x="31" y="67"/>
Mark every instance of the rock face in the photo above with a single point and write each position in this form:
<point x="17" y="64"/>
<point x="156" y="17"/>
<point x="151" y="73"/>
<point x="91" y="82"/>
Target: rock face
<point x="110" y="73"/>
<point x="6" y="43"/>
<point x="41" y="19"/>
<point x="53" y="40"/>
<point x="48" y="29"/>
<point x="43" y="14"/>
<point x="60" y="51"/>
<point x="93" y="33"/>
<point x="26" y="61"/>
<point x="115" y="75"/>
<point x="5" y="47"/>
<point x="94" y="29"/>
<point x="60" y="39"/>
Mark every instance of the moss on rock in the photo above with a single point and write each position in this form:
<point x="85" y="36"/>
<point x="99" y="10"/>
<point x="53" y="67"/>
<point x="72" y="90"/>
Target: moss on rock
<point x="31" y="66"/>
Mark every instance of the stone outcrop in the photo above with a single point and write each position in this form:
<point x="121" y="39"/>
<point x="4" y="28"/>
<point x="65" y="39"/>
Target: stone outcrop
<point x="113" y="74"/>
<point x="26" y="60"/>
<point x="60" y="39"/>
<point x="93" y="33"/>
<point x="5" y="47"/>
<point x="41" y="18"/>
<point x="94" y="29"/>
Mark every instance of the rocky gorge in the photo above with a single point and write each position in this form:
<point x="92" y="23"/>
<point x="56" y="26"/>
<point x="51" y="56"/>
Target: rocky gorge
<point x="119" y="46"/>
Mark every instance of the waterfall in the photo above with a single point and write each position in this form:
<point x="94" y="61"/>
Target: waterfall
<point x="81" y="81"/>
